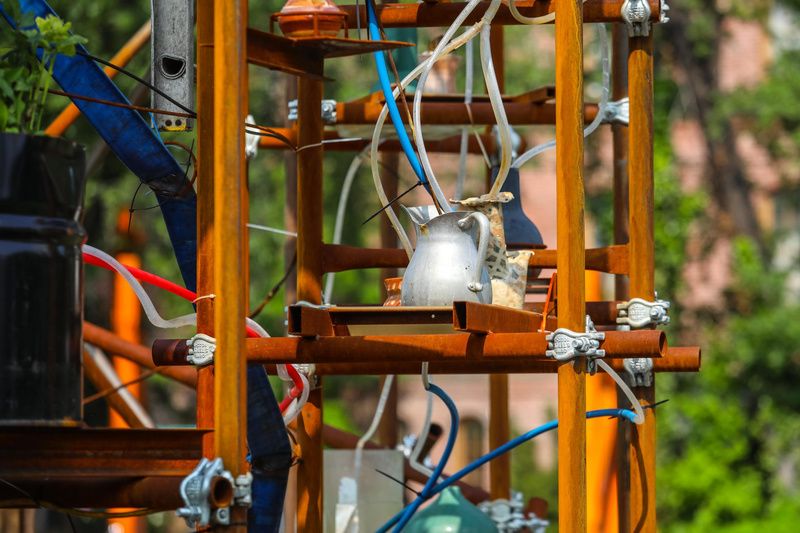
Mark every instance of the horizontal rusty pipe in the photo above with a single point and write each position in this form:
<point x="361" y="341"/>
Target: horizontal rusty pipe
<point x="336" y="438"/>
<point x="440" y="14"/>
<point x="338" y="258"/>
<point x="158" y="493"/>
<point x="419" y="348"/>
<point x="676" y="360"/>
<point x="457" y="114"/>
<point x="112" y="344"/>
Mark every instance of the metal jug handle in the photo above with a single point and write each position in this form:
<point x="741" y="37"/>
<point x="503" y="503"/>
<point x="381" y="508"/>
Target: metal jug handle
<point x="484" y="233"/>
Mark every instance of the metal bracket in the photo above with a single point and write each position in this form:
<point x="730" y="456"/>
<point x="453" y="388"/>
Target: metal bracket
<point x="636" y="14"/>
<point x="663" y="17"/>
<point x="251" y="140"/>
<point x="243" y="490"/>
<point x="509" y="517"/>
<point x="639" y="313"/>
<point x="328" y="111"/>
<point x="201" y="350"/>
<point x="639" y="371"/>
<point x="195" y="491"/>
<point x="617" y="112"/>
<point x="564" y="344"/>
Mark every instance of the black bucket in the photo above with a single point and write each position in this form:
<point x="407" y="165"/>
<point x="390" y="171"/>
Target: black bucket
<point x="41" y="280"/>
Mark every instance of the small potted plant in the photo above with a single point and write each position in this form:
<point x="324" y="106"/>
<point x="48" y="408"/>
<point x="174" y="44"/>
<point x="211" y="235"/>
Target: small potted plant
<point x="41" y="195"/>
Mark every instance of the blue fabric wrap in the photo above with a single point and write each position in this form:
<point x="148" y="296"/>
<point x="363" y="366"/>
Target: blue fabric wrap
<point x="270" y="453"/>
<point x="133" y="142"/>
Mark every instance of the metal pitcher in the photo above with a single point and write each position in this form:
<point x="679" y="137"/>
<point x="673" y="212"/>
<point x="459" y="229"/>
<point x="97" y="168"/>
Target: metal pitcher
<point x="449" y="262"/>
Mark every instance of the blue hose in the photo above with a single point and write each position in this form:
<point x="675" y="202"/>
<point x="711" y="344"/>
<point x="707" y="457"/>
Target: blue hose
<point x="437" y="472"/>
<point x="497" y="452"/>
<point x="386" y="87"/>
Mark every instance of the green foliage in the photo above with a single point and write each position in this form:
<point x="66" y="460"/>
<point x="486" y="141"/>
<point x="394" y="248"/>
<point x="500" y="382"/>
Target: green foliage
<point x="24" y="78"/>
<point x="728" y="453"/>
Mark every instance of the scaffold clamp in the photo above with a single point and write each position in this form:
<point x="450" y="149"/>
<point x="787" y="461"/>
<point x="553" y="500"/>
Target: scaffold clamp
<point x="639" y="371"/>
<point x="201" y="350"/>
<point x="636" y="14"/>
<point x="617" y="112"/>
<point x="196" y="491"/>
<point x="639" y="313"/>
<point x="564" y="344"/>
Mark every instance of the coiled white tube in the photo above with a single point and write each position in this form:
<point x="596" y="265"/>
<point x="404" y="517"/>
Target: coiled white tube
<point x="376" y="134"/>
<point x="462" y="152"/>
<point x="190" y="320"/>
<point x="637" y="407"/>
<point x="519" y="17"/>
<point x="499" y="110"/>
<point x="598" y="119"/>
<point x="344" y="195"/>
<point x="376" y="420"/>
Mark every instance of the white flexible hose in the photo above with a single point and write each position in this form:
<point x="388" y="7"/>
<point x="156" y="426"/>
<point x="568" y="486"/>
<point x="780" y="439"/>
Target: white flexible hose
<point x="469" y="74"/>
<point x="376" y="420"/>
<point x="344" y="195"/>
<point x="437" y="53"/>
<point x="188" y="320"/>
<point x="637" y="407"/>
<point x="519" y="17"/>
<point x="499" y="110"/>
<point x="598" y="119"/>
<point x="376" y="134"/>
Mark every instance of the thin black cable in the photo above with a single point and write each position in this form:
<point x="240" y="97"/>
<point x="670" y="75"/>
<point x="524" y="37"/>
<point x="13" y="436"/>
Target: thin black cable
<point x="137" y="78"/>
<point x="400" y="481"/>
<point x="396" y="198"/>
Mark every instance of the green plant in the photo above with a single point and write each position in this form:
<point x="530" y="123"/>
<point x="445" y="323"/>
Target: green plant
<point x="24" y="77"/>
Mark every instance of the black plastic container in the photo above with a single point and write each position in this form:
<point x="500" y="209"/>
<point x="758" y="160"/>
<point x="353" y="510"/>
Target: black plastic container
<point x="41" y="280"/>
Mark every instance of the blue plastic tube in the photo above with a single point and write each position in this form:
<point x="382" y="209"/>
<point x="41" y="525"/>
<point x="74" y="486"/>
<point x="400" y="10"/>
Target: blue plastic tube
<point x="497" y="452"/>
<point x="386" y="87"/>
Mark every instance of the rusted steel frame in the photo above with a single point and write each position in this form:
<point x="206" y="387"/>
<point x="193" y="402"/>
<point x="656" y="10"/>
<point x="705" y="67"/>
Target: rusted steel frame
<point x="482" y="318"/>
<point x="457" y="114"/>
<point x="154" y="493"/>
<point x="67" y="117"/>
<point x="229" y="241"/>
<point x="642" y="450"/>
<point x="338" y="258"/>
<point x="450" y="145"/>
<point x="342" y="440"/>
<point x="309" y="288"/>
<point x="447" y="347"/>
<point x="121" y="401"/>
<point x="35" y="453"/>
<point x="571" y="262"/>
<point x="205" y="210"/>
<point x="439" y="14"/>
<point x="279" y="53"/>
<point x="676" y="360"/>
<point x="309" y="322"/>
<point x="141" y="355"/>
<point x="602" y="313"/>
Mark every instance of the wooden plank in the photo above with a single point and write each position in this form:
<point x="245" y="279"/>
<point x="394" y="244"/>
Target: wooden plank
<point x="230" y="246"/>
<point x="571" y="262"/>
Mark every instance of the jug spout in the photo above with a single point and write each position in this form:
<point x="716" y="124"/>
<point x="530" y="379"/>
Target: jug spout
<point x="421" y="214"/>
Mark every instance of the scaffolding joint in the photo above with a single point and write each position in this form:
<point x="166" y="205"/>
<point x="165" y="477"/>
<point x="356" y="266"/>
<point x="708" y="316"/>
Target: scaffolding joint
<point x="565" y="345"/>
<point x="636" y="14"/>
<point x="201" y="350"/>
<point x="617" y="112"/>
<point x="639" y="313"/>
<point x="328" y="111"/>
<point x="203" y="492"/>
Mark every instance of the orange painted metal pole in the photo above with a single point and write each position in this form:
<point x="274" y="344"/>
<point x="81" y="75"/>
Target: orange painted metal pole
<point x="309" y="288"/>
<point x="229" y="244"/>
<point x="205" y="211"/>
<point x="128" y="51"/>
<point x="126" y="317"/>
<point x="641" y="454"/>
<point x="571" y="262"/>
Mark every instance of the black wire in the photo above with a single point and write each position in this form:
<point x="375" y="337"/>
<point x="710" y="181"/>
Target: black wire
<point x="398" y="481"/>
<point x="36" y="502"/>
<point x="396" y="198"/>
<point x="137" y="78"/>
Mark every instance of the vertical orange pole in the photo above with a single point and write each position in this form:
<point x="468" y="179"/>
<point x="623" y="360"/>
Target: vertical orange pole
<point x="309" y="288"/>
<point x="229" y="241"/>
<point x="642" y="263"/>
<point x="205" y="210"/>
<point x="571" y="262"/>
<point x="126" y="315"/>
<point x="499" y="419"/>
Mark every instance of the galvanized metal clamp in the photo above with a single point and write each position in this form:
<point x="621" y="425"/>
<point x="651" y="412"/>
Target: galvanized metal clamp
<point x="509" y="517"/>
<point x="617" y="112"/>
<point x="196" y="493"/>
<point x="639" y="371"/>
<point x="565" y="345"/>
<point x="639" y="313"/>
<point x="636" y="14"/>
<point x="201" y="350"/>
